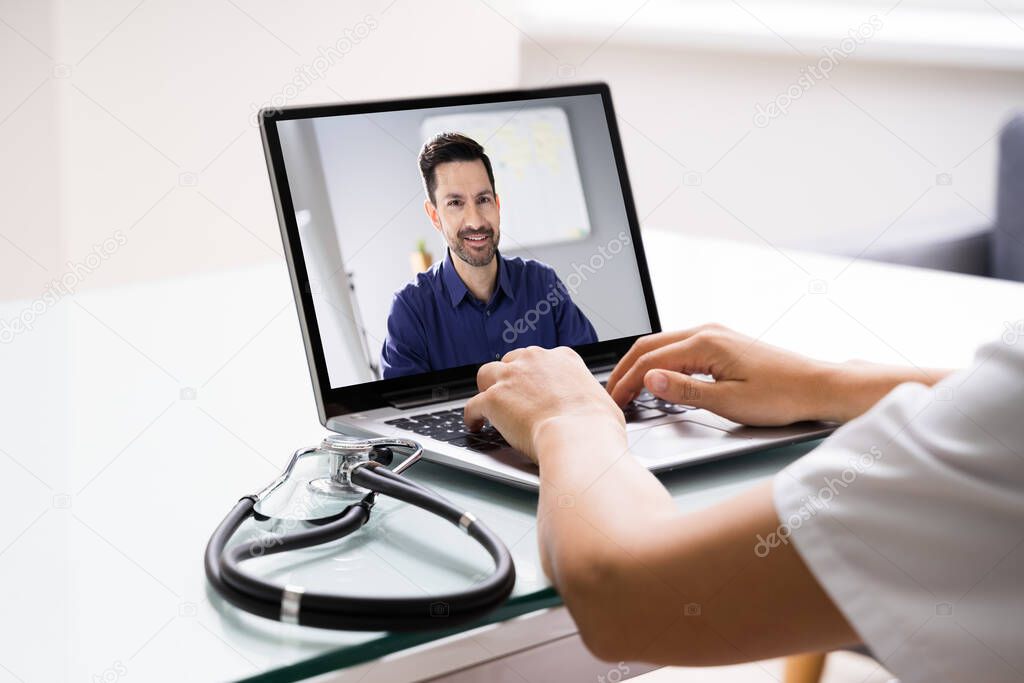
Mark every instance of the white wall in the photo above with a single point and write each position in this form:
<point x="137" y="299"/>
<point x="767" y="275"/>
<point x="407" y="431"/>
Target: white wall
<point x="856" y="154"/>
<point x="30" y="139"/>
<point x="158" y="142"/>
<point x="34" y="546"/>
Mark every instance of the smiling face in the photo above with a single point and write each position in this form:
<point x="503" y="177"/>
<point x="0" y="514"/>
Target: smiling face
<point x="467" y="211"/>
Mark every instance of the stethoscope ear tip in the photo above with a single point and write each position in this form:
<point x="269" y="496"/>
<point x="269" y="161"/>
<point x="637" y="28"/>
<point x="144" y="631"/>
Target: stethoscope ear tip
<point x="382" y="454"/>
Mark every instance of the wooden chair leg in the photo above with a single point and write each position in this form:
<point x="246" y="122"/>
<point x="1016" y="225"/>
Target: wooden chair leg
<point x="805" y="668"/>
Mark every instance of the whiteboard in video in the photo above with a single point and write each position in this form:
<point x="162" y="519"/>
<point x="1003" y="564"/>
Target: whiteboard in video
<point x="535" y="171"/>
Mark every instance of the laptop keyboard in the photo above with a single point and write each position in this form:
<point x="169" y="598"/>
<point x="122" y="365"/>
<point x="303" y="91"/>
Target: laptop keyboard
<point x="447" y="425"/>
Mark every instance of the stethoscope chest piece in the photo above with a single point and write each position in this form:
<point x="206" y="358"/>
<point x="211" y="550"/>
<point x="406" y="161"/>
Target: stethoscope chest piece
<point x="345" y="455"/>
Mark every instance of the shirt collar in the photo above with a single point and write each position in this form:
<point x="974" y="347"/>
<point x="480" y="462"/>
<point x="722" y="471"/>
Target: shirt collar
<point x="457" y="289"/>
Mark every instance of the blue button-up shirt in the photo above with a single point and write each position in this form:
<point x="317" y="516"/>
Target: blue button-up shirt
<point x="436" y="323"/>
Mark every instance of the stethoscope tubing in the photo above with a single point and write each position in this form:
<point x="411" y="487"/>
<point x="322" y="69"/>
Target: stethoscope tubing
<point x="226" y="573"/>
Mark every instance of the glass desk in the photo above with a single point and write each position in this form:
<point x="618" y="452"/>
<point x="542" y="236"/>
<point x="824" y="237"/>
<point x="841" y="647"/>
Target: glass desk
<point x="190" y="392"/>
<point x="405" y="551"/>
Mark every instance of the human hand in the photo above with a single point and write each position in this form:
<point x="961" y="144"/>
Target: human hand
<point x="533" y="387"/>
<point x="755" y="383"/>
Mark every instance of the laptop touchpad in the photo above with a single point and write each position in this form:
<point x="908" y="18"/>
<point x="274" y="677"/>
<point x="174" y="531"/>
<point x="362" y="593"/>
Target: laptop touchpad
<point x="684" y="436"/>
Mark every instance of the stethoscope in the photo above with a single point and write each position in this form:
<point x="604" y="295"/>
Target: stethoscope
<point x="356" y="467"/>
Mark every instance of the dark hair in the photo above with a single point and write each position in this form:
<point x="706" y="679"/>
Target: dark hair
<point x="446" y="147"/>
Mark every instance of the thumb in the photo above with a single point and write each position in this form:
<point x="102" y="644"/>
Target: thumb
<point x="676" y="387"/>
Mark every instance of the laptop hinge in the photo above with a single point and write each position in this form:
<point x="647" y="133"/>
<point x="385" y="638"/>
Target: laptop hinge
<point x="413" y="398"/>
<point x="601" y="362"/>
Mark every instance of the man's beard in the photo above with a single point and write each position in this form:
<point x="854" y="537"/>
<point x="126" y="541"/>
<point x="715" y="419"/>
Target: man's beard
<point x="479" y="256"/>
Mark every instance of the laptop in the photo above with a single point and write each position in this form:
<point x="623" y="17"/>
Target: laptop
<point x="425" y="237"/>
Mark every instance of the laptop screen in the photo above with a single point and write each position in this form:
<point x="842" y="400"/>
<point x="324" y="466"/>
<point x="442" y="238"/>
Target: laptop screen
<point x="444" y="236"/>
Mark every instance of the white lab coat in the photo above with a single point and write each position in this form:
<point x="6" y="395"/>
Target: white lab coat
<point x="912" y="519"/>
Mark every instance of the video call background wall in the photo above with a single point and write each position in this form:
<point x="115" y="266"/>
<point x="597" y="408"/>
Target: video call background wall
<point x="358" y="178"/>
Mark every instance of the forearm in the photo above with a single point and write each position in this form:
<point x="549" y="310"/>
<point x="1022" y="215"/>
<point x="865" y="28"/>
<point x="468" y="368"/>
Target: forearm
<point x="597" y="505"/>
<point x="846" y="390"/>
<point x="593" y="492"/>
<point x="628" y="564"/>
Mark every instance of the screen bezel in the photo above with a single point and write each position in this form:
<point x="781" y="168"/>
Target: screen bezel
<point x="334" y="401"/>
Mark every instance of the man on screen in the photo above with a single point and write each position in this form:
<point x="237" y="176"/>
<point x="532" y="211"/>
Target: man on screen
<point x="475" y="305"/>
